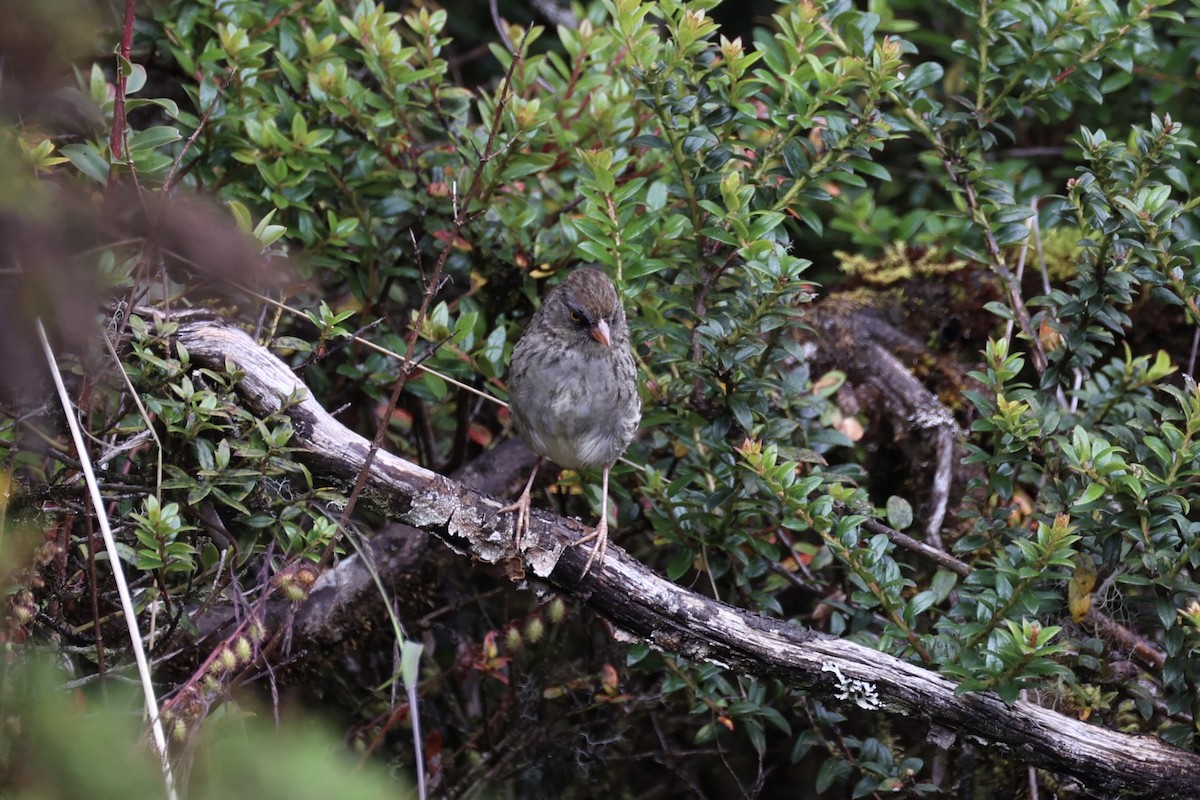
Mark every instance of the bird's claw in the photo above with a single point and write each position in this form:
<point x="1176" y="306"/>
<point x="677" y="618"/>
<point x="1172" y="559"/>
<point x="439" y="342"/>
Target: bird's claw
<point x="521" y="524"/>
<point x="600" y="534"/>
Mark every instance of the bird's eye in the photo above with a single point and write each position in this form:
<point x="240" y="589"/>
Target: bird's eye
<point x="576" y="317"/>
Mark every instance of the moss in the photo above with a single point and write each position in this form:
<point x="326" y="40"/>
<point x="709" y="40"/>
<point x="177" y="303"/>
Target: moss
<point x="899" y="262"/>
<point x="1060" y="250"/>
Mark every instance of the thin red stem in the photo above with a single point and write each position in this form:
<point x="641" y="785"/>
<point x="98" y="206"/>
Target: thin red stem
<point x="116" y="142"/>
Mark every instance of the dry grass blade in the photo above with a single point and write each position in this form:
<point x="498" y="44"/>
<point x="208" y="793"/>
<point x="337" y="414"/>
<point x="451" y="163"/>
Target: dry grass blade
<point x="135" y="637"/>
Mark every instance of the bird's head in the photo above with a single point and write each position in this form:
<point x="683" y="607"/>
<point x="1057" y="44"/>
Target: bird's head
<point x="584" y="308"/>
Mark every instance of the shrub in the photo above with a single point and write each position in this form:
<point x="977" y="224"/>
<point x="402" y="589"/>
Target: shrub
<point x="699" y="170"/>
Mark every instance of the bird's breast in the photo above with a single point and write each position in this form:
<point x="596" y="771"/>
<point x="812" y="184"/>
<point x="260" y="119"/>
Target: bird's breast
<point x="576" y="412"/>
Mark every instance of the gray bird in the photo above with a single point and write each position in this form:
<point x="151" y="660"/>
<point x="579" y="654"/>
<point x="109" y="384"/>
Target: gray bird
<point x="572" y="389"/>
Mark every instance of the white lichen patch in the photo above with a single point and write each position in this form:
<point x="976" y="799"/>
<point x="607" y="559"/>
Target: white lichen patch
<point x="862" y="693"/>
<point x="431" y="509"/>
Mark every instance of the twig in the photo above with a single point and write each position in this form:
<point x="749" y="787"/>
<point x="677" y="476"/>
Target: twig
<point x="1141" y="648"/>
<point x="169" y="183"/>
<point x="502" y="29"/>
<point x="1037" y="243"/>
<point x="943" y="476"/>
<point x="929" y="551"/>
<point x="95" y="598"/>
<point x="462" y="216"/>
<point x="1020" y="274"/>
<point x="1036" y="230"/>
<point x="555" y="15"/>
<point x="137" y="400"/>
<point x="996" y="257"/>
<point x="406" y="646"/>
<point x="1031" y="770"/>
<point x="221" y="83"/>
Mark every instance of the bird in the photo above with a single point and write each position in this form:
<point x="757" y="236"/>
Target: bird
<point x="572" y="390"/>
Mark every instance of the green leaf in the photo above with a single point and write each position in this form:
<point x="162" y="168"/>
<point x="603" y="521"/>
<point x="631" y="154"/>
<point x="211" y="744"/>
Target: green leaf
<point x="1012" y="233"/>
<point x="943" y="582"/>
<point x="795" y="159"/>
<point x="598" y="252"/>
<point x="154" y="137"/>
<point x="527" y="164"/>
<point x="165" y="103"/>
<point x="832" y="771"/>
<point x="921" y="603"/>
<point x="776" y="719"/>
<point x="1090" y="495"/>
<point x="636" y="653"/>
<point x="87" y="159"/>
<point x="680" y="563"/>
<point x="650" y="141"/>
<point x="1166" y="612"/>
<point x="1008" y="214"/>
<point x="899" y="513"/>
<point x="923" y="75"/>
<point x="877" y="171"/>
<point x="741" y="412"/>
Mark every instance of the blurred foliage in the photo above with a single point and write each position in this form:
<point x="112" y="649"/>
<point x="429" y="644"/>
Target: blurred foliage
<point x="726" y="182"/>
<point x="89" y="744"/>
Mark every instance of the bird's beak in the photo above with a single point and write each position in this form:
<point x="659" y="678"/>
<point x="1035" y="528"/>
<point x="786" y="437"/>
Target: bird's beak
<point x="600" y="333"/>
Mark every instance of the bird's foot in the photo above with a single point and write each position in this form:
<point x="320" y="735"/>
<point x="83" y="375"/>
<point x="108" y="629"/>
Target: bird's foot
<point x="600" y="535"/>
<point x="521" y="523"/>
<point x="521" y="506"/>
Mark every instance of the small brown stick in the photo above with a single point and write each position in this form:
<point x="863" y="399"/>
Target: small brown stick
<point x="929" y="551"/>
<point x="997" y="259"/>
<point x="169" y="183"/>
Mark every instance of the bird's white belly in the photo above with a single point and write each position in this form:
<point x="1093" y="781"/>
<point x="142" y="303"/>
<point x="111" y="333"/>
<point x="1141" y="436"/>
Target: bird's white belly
<point x="577" y="428"/>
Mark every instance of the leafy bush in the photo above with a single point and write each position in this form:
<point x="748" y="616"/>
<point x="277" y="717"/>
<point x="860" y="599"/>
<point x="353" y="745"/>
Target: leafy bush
<point x="697" y="169"/>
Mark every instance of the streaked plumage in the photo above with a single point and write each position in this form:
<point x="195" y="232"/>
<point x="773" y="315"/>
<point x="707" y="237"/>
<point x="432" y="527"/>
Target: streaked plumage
<point x="573" y="386"/>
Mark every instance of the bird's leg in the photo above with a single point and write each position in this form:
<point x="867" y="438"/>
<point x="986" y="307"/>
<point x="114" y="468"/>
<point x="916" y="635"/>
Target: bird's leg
<point x="521" y="506"/>
<point x="600" y="533"/>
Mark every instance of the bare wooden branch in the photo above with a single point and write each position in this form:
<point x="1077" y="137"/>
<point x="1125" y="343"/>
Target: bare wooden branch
<point x="645" y="606"/>
<point x="864" y="345"/>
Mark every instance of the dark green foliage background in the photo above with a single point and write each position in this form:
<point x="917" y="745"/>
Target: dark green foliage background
<point x="722" y="181"/>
